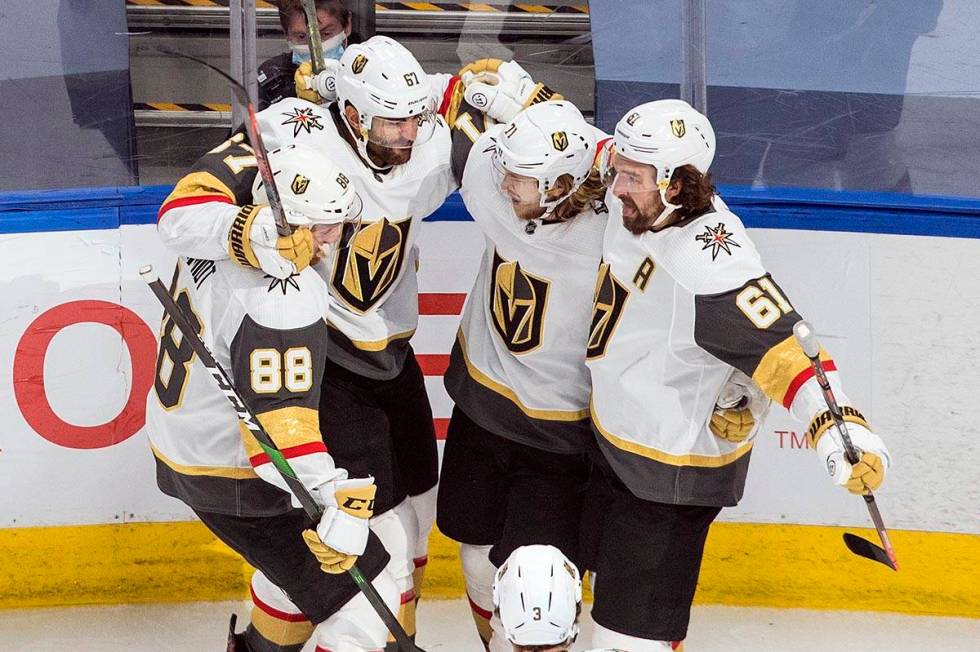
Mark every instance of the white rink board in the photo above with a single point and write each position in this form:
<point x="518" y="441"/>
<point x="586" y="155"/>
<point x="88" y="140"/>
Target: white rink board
<point x="898" y="314"/>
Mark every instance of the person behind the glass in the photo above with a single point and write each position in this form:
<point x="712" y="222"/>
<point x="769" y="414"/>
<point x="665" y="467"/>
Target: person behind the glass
<point x="276" y="75"/>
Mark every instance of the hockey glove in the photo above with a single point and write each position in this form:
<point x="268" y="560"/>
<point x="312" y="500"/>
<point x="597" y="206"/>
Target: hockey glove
<point x="320" y="88"/>
<point x="254" y="242"/>
<point x="739" y="407"/>
<point x="873" y="458"/>
<point x="502" y="89"/>
<point x="342" y="533"/>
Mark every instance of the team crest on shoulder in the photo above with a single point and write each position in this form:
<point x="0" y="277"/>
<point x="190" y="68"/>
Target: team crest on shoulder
<point x="717" y="239"/>
<point x="283" y="283"/>
<point x="302" y="119"/>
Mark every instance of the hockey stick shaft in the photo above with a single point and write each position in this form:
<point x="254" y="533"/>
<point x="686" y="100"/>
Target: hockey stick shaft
<point x="247" y="416"/>
<point x="811" y="348"/>
<point x="254" y="138"/>
<point x="313" y="36"/>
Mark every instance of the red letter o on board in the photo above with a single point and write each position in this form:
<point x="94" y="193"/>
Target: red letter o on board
<point x="29" y="373"/>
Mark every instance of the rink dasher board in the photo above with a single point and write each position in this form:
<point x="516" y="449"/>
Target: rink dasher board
<point x="87" y="371"/>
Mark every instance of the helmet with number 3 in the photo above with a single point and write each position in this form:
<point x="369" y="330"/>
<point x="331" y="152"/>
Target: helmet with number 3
<point x="537" y="594"/>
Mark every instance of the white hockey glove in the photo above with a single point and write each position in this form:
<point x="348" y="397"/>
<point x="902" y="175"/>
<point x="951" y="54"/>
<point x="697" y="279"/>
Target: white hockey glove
<point x="502" y="89"/>
<point x="738" y="409"/>
<point x="320" y="88"/>
<point x="254" y="242"/>
<point x="873" y="458"/>
<point x="342" y="533"/>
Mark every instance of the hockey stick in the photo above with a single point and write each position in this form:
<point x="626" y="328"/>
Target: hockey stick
<point x="886" y="555"/>
<point x="254" y="138"/>
<point x="313" y="37"/>
<point x="310" y="506"/>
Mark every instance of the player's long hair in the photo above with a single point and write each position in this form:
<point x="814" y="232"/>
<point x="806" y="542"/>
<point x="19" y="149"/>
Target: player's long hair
<point x="696" y="191"/>
<point x="581" y="200"/>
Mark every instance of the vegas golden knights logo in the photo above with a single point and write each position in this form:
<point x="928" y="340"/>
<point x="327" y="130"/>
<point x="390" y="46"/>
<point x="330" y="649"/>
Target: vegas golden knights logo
<point x="300" y="184"/>
<point x="632" y="118"/>
<point x="677" y="126"/>
<point x="367" y="268"/>
<point x="560" y="140"/>
<point x="607" y="307"/>
<point x="518" y="301"/>
<point x="358" y="65"/>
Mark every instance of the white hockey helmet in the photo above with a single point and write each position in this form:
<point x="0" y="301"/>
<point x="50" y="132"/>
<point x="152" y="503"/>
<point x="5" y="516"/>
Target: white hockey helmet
<point x="312" y="188"/>
<point x="537" y="593"/>
<point x="385" y="84"/>
<point x="665" y="134"/>
<point x="544" y="142"/>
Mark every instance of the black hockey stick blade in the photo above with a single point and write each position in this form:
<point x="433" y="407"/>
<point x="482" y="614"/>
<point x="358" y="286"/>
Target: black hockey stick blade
<point x="865" y="548"/>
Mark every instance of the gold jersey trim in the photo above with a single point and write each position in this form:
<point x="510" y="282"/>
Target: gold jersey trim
<point x="691" y="459"/>
<point x="509" y="394"/>
<point x="374" y="345"/>
<point x="233" y="472"/>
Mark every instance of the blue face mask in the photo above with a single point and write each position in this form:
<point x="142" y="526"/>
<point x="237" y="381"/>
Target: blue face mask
<point x="333" y="48"/>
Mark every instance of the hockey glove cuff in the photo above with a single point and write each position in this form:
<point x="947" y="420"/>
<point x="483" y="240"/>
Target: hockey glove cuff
<point x="253" y="241"/>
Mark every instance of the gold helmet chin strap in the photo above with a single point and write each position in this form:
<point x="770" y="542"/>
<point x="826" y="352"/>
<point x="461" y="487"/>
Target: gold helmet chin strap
<point x="669" y="208"/>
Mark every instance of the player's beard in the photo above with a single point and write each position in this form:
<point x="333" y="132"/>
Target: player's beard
<point x="388" y="156"/>
<point x="634" y="220"/>
<point x="638" y="220"/>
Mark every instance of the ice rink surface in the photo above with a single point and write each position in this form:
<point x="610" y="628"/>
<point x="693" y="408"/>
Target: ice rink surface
<point x="446" y="627"/>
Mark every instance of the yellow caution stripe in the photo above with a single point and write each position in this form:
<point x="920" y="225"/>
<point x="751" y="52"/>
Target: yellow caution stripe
<point x="769" y="565"/>
<point x="181" y="107"/>
<point x="259" y="4"/>
<point x="404" y="5"/>
<point x="484" y="7"/>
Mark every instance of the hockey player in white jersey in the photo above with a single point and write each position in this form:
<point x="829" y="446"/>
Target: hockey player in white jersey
<point x="271" y="336"/>
<point x="684" y="304"/>
<point x="537" y="596"/>
<point x="514" y="466"/>
<point x="395" y="150"/>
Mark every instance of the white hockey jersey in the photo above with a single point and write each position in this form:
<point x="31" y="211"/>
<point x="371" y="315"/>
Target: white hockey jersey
<point x="374" y="279"/>
<point x="675" y="313"/>
<point x="270" y="336"/>
<point x="517" y="367"/>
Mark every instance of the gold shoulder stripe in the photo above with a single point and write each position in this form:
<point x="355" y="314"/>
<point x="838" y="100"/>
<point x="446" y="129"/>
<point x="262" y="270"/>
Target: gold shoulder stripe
<point x="780" y="367"/>
<point x="288" y="427"/>
<point x="233" y="472"/>
<point x="691" y="459"/>
<point x="510" y="395"/>
<point x="199" y="184"/>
